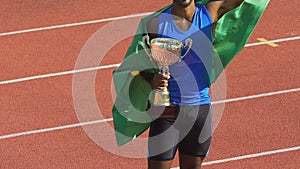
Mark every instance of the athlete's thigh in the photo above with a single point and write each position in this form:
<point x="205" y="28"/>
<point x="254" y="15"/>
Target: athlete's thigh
<point x="162" y="141"/>
<point x="198" y="139"/>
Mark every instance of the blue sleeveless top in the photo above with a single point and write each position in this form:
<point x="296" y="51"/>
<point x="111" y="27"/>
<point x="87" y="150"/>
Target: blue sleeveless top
<point x="189" y="82"/>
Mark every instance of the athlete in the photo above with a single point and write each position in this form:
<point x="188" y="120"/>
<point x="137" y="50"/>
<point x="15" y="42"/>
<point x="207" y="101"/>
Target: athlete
<point x="185" y="125"/>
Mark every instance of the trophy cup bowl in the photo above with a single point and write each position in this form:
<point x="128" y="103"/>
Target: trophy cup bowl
<point x="165" y="51"/>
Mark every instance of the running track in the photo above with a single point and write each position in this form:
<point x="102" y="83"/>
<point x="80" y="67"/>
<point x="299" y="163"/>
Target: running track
<point x="39" y="126"/>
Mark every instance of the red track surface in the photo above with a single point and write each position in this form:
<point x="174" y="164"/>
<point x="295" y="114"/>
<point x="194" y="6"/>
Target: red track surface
<point x="247" y="127"/>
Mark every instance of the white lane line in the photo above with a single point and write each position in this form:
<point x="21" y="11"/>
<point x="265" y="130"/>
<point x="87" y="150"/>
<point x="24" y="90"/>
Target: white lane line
<point x="58" y="74"/>
<point x="54" y="128"/>
<point x="110" y="119"/>
<point x="266" y="153"/>
<point x="116" y="65"/>
<point x="257" y="96"/>
<point x="74" y="24"/>
<point x="273" y="41"/>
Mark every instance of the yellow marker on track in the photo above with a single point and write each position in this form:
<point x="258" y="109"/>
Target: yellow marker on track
<point x="269" y="43"/>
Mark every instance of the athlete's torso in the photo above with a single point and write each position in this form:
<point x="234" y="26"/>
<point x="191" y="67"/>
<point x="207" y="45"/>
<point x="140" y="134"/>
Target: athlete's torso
<point x="189" y="82"/>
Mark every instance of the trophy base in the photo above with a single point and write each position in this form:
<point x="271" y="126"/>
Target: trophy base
<point x="161" y="98"/>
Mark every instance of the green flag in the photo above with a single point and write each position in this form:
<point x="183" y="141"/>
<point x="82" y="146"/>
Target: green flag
<point x="129" y="115"/>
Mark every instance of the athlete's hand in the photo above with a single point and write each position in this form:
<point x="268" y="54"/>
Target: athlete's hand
<point x="160" y="81"/>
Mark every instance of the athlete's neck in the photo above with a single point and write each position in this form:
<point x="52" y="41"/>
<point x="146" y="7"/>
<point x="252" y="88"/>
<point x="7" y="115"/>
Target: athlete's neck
<point x="184" y="12"/>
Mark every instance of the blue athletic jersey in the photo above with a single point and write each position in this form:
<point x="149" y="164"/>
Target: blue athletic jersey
<point x="189" y="82"/>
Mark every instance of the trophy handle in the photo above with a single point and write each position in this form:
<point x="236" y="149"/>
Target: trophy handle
<point x="146" y="41"/>
<point x="188" y="41"/>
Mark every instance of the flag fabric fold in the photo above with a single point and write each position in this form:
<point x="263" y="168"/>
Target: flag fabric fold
<point x="129" y="111"/>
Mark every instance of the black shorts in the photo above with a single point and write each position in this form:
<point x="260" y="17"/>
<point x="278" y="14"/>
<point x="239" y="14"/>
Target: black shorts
<point x="189" y="131"/>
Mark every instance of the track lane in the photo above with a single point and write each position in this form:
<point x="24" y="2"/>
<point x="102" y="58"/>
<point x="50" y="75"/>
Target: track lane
<point x="20" y="15"/>
<point x="263" y="68"/>
<point x="78" y="70"/>
<point x="278" y="15"/>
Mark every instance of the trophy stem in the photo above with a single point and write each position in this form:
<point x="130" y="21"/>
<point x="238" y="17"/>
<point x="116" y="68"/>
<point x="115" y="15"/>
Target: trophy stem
<point x="164" y="70"/>
<point x="161" y="97"/>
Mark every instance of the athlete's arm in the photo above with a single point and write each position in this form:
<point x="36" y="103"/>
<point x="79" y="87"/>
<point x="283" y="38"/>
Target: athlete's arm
<point x="218" y="8"/>
<point x="213" y="8"/>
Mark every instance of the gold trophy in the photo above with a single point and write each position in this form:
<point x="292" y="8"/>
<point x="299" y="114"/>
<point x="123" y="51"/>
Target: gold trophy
<point x="165" y="51"/>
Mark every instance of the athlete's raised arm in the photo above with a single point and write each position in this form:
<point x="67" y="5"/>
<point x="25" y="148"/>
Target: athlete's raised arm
<point x="218" y="8"/>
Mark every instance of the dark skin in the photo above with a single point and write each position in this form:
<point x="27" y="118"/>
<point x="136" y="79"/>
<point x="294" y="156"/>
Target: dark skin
<point x="183" y="12"/>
